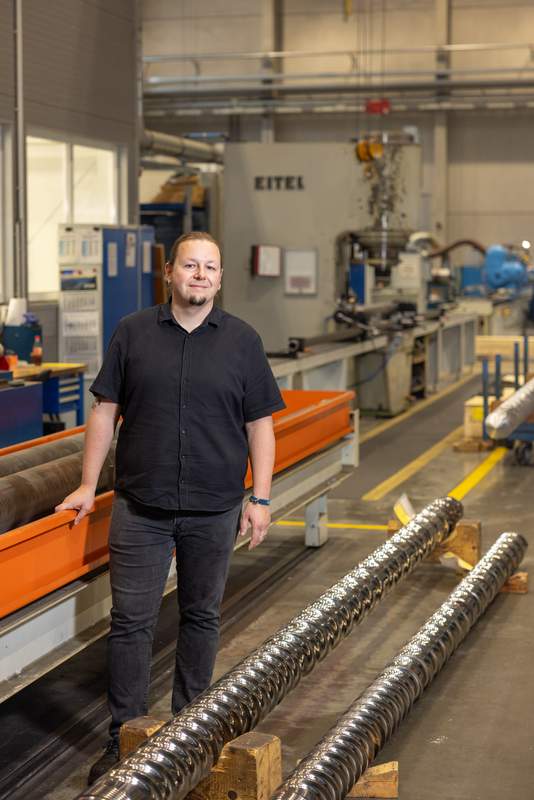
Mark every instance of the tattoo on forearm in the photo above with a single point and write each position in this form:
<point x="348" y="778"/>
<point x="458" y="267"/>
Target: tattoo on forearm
<point x="97" y="402"/>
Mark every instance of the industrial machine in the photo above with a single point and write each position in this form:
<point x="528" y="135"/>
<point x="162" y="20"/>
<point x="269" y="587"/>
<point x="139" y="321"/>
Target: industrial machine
<point x="502" y="270"/>
<point x="382" y="264"/>
<point x="105" y="273"/>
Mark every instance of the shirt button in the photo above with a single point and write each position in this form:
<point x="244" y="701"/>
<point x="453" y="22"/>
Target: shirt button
<point x="183" y="432"/>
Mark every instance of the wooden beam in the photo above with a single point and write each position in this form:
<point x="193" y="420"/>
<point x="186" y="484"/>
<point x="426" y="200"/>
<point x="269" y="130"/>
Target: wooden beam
<point x="136" y="731"/>
<point x="380" y="781"/>
<point x="516" y="584"/>
<point x="464" y="543"/>
<point x="249" y="767"/>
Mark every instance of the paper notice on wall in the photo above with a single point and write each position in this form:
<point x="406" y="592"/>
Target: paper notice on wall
<point x="80" y="323"/>
<point x="131" y="247"/>
<point x="90" y="245"/>
<point x="147" y="257"/>
<point x="67" y="247"/>
<point x="113" y="259"/>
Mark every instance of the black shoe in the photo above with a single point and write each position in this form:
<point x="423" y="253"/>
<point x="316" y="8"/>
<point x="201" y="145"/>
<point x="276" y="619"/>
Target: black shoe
<point x="106" y="761"/>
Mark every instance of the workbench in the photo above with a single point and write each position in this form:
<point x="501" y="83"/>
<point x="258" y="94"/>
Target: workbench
<point x="62" y="386"/>
<point x="387" y="372"/>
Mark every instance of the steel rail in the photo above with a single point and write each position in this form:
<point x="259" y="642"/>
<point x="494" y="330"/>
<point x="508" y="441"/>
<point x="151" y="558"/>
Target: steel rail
<point x="283" y="54"/>
<point x="501" y="422"/>
<point x="171" y="764"/>
<point x="333" y="105"/>
<point x="343" y="755"/>
<point x="353" y="88"/>
<point x="277" y="79"/>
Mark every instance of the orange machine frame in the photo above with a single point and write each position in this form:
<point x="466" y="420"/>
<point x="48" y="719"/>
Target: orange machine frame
<point x="50" y="552"/>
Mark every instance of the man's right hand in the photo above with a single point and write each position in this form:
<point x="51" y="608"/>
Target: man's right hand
<point x="82" y="499"/>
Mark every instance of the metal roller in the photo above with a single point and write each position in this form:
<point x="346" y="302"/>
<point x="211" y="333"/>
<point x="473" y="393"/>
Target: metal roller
<point x="171" y="764"/>
<point x="40" y="454"/>
<point x="511" y="413"/>
<point x="35" y="492"/>
<point x="343" y="755"/>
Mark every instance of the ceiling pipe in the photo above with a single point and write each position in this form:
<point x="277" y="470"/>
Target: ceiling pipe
<point x="154" y="142"/>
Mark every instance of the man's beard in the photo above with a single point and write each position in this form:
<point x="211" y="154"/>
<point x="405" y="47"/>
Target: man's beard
<point x="196" y="301"/>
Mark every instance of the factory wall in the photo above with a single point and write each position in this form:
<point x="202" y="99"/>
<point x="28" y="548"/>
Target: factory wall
<point x="491" y="178"/>
<point x="80" y="66"/>
<point x="489" y="159"/>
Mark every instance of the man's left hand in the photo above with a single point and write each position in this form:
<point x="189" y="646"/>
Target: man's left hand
<point x="258" y="518"/>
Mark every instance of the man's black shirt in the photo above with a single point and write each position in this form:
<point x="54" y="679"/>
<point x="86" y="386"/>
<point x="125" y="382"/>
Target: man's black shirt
<point x="185" y="399"/>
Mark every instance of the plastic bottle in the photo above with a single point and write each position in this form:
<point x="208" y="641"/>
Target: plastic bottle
<point x="36" y="354"/>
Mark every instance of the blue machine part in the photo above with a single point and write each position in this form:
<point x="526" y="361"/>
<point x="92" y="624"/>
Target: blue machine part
<point x="472" y="281"/>
<point x="168" y="221"/>
<point x="504" y="270"/>
<point x="357" y="280"/>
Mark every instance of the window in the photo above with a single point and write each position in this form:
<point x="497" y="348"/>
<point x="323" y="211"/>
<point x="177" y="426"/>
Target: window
<point x="67" y="183"/>
<point x="95" y="193"/>
<point x="47" y="198"/>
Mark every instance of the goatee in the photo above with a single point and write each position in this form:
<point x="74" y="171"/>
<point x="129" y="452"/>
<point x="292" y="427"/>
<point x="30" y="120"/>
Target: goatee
<point x="197" y="301"/>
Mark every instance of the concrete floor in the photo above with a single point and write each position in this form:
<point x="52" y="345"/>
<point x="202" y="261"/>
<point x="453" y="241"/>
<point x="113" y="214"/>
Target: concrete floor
<point x="472" y="735"/>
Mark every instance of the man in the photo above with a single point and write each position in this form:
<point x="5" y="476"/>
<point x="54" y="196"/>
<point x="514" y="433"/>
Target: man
<point x="196" y="396"/>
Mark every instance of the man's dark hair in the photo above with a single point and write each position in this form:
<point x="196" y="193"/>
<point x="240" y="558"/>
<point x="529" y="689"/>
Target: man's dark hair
<point x="193" y="236"/>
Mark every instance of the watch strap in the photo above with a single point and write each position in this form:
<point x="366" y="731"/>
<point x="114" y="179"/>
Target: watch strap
<point x="260" y="501"/>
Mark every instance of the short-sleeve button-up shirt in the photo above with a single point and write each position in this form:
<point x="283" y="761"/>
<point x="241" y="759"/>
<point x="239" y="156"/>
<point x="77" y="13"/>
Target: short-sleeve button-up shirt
<point x="185" y="399"/>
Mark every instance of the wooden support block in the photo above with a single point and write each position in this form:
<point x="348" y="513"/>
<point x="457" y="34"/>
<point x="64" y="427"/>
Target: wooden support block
<point x="379" y="781"/>
<point x="136" y="731"/>
<point x="473" y="445"/>
<point x="249" y="768"/>
<point x="516" y="584"/>
<point x="464" y="543"/>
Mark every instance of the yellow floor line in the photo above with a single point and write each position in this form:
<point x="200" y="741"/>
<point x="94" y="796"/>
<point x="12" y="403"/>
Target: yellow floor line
<point x="419" y="406"/>
<point x="298" y="523"/>
<point x="413" y="467"/>
<point x="478" y="474"/>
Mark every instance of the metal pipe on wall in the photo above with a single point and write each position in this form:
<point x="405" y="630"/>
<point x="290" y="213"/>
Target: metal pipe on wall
<point x="171" y="764"/>
<point x="345" y="752"/>
<point x="20" y="250"/>
<point x="165" y="144"/>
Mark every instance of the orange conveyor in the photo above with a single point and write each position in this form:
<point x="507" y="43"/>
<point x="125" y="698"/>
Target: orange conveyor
<point x="50" y="552"/>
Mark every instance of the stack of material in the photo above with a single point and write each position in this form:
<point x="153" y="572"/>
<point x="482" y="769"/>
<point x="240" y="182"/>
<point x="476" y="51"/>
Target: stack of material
<point x="174" y="190"/>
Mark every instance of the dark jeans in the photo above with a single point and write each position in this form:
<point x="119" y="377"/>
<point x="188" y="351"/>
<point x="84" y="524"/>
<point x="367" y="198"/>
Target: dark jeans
<point x="141" y="544"/>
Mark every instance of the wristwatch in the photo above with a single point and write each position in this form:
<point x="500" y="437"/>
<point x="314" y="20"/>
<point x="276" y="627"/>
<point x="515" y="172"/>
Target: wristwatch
<point x="259" y="501"/>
